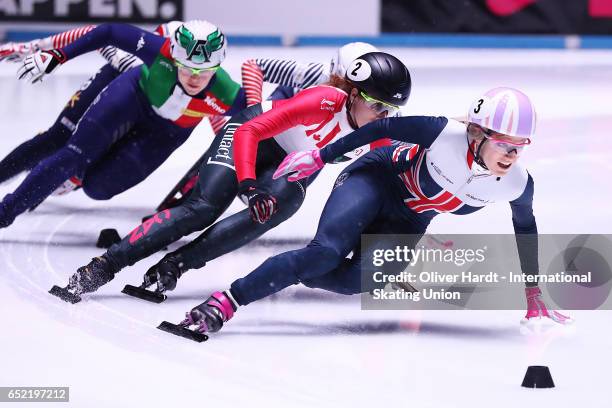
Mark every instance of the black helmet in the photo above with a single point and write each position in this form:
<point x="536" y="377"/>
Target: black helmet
<point x="382" y="76"/>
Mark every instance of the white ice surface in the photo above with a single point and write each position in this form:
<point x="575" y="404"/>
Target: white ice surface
<point x="305" y="348"/>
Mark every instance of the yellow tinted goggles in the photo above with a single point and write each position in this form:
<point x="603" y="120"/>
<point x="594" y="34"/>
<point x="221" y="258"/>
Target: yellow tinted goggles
<point x="195" y="71"/>
<point x="379" y="106"/>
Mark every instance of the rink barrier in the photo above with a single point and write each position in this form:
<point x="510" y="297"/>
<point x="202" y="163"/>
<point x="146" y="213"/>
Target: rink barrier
<point x="243" y="40"/>
<point x="416" y="40"/>
<point x="442" y="41"/>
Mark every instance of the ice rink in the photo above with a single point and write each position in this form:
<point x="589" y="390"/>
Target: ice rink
<point x="303" y="347"/>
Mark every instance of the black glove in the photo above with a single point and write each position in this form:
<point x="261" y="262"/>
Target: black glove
<point x="262" y="204"/>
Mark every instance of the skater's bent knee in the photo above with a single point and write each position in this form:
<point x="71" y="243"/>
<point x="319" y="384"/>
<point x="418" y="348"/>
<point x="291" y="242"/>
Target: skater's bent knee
<point x="202" y="207"/>
<point x="317" y="283"/>
<point x="96" y="192"/>
<point x="316" y="260"/>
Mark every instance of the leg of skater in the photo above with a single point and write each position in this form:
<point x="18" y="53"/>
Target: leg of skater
<point x="108" y="118"/>
<point x="353" y="205"/>
<point x="228" y="234"/>
<point x="350" y="277"/>
<point x="25" y="156"/>
<point x="132" y="160"/>
<point x="216" y="189"/>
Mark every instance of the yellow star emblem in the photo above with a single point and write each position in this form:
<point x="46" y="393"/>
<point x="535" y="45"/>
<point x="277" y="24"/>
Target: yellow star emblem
<point x="74" y="99"/>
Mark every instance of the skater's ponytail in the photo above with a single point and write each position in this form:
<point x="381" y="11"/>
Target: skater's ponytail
<point x="338" y="82"/>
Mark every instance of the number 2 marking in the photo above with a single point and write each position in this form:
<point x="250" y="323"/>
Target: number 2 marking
<point x="480" y="102"/>
<point x="358" y="65"/>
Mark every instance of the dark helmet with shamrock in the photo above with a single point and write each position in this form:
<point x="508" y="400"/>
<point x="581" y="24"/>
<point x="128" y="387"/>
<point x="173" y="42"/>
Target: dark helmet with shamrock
<point x="198" y="44"/>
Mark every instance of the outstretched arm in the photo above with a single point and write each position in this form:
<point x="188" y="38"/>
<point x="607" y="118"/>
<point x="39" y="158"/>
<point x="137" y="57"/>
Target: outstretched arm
<point x="302" y="109"/>
<point x="526" y="232"/>
<point x="121" y="60"/>
<point x="282" y="72"/>
<point x="128" y="38"/>
<point x="17" y="51"/>
<point x="131" y="39"/>
<point x="421" y="130"/>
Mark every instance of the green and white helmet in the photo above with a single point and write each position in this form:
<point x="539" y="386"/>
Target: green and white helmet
<point x="198" y="44"/>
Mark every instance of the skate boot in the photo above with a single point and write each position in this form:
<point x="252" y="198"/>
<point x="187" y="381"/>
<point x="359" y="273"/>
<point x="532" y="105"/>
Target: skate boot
<point x="165" y="274"/>
<point x="208" y="317"/>
<point x="536" y="308"/>
<point x="88" y="278"/>
<point x="168" y="272"/>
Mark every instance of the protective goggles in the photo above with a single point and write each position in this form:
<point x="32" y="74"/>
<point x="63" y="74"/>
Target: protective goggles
<point x="195" y="71"/>
<point x="504" y="145"/>
<point x="378" y="106"/>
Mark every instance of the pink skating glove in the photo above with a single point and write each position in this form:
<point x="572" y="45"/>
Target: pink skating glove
<point x="536" y="309"/>
<point x="300" y="165"/>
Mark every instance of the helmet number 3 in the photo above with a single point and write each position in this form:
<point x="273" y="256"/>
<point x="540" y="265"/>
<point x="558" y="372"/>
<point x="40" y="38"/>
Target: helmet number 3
<point x="477" y="108"/>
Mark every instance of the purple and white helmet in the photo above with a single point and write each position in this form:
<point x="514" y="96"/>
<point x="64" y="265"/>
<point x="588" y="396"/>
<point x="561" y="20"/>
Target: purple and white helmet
<point x="504" y="110"/>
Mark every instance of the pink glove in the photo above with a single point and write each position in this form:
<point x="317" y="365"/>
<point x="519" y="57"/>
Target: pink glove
<point x="537" y="309"/>
<point x="301" y="164"/>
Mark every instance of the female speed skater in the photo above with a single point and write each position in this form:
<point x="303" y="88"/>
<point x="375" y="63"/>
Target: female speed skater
<point x="241" y="160"/>
<point x="151" y="109"/>
<point x="453" y="168"/>
<point x="290" y="76"/>
<point x="25" y="156"/>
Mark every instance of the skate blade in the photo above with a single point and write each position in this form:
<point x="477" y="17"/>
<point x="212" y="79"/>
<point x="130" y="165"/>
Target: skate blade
<point x="63" y="294"/>
<point x="182" y="331"/>
<point x="405" y="286"/>
<point x="144" y="294"/>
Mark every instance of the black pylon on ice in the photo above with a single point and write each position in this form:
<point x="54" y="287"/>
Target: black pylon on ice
<point x="107" y="238"/>
<point x="538" y="377"/>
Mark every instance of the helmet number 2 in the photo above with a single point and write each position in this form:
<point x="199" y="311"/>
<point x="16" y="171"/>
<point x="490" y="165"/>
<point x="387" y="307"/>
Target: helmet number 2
<point x="359" y="70"/>
<point x="477" y="108"/>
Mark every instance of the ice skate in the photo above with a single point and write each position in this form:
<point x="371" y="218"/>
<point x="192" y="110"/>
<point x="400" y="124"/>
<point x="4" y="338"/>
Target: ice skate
<point x="165" y="274"/>
<point x="88" y="278"/>
<point x="207" y="317"/>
